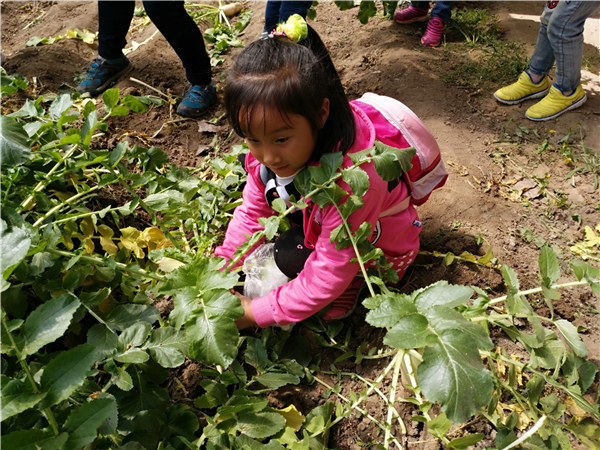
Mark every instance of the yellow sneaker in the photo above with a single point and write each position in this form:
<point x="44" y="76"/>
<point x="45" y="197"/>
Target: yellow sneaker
<point x="555" y="103"/>
<point x="523" y="89"/>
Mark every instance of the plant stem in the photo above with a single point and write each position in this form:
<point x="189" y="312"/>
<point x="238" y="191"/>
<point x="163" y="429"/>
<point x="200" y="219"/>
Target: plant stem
<point x="391" y="409"/>
<point x="121" y="266"/>
<point x="42" y="184"/>
<point x="360" y="410"/>
<point x="78" y="216"/>
<point x="539" y="289"/>
<point x="527" y="435"/>
<point x="63" y="204"/>
<point x="25" y="366"/>
<point x="95" y="316"/>
<point x="579" y="399"/>
<point x="358" y="256"/>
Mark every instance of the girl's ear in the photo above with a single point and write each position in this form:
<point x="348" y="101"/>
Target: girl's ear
<point x="323" y="113"/>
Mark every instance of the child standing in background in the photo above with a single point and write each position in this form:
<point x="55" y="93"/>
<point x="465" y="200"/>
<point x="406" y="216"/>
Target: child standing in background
<point x="286" y="99"/>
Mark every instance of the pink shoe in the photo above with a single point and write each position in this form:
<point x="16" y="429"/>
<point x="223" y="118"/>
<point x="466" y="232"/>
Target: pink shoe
<point x="410" y="15"/>
<point x="433" y="33"/>
<point x="346" y="303"/>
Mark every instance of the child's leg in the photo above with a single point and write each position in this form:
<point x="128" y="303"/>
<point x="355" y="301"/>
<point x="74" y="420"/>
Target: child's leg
<point x="443" y="10"/>
<point x="271" y="15"/>
<point x="114" y="19"/>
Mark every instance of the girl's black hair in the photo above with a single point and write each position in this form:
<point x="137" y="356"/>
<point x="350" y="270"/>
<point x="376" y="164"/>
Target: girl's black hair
<point x="294" y="79"/>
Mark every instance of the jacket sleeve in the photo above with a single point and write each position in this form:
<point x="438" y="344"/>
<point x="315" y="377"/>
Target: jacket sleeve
<point x="245" y="219"/>
<point x="327" y="272"/>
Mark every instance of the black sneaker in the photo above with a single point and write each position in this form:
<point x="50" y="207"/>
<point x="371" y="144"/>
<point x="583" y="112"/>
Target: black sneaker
<point x="102" y="73"/>
<point x="197" y="101"/>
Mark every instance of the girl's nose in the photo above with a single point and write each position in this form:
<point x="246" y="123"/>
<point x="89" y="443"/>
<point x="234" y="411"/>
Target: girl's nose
<point x="271" y="157"/>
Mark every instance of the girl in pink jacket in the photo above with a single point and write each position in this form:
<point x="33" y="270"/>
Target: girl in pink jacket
<point x="287" y="101"/>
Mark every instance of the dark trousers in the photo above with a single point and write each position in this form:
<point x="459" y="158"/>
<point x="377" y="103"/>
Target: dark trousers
<point x="279" y="11"/>
<point x="171" y="19"/>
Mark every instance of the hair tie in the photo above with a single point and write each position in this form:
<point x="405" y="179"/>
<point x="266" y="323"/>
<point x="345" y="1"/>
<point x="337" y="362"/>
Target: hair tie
<point x="295" y="29"/>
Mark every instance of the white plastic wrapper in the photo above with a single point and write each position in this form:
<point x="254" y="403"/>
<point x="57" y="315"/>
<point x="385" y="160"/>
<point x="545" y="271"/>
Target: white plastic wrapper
<point x="262" y="274"/>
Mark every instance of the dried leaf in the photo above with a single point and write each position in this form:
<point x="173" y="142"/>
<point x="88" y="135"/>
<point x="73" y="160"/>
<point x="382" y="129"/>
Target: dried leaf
<point x="206" y="127"/>
<point x="106" y="241"/>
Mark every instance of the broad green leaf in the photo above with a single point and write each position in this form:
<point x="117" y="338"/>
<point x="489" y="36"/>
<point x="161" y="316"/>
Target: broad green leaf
<point x="133" y="356"/>
<point x="188" y="283"/>
<point x="351" y="204"/>
<point x="117" y="153"/>
<point x="40" y="262"/>
<point x="120" y="376"/>
<point x="411" y="331"/>
<point x="123" y="316"/>
<point x="17" y="397"/>
<point x="452" y="373"/>
<point x="134" y="336"/>
<point x="239" y="403"/>
<point x="549" y="354"/>
<point x="90" y="123"/>
<point x="344" y="5"/>
<point x="586" y="430"/>
<point x="510" y="278"/>
<point x="211" y="329"/>
<point x="271" y="225"/>
<point x="302" y="181"/>
<point x="167" y="347"/>
<point x="387" y="167"/>
<point x="14" y="143"/>
<point x="366" y="11"/>
<point x="84" y="421"/>
<point x="571" y="336"/>
<point x="549" y="268"/>
<point x="33" y="439"/>
<point x="260" y="425"/>
<point x="110" y="98"/>
<point x="442" y="318"/>
<point x="277" y="380"/>
<point x="164" y="201"/>
<point x="66" y="372"/>
<point x="181" y="420"/>
<point x="60" y="104"/>
<point x="103" y="339"/>
<point x="318" y="421"/>
<point x="256" y="354"/>
<point x="357" y="179"/>
<point x="387" y="309"/>
<point x="119" y="111"/>
<point x="243" y="442"/>
<point x="442" y="293"/>
<point x="134" y="103"/>
<point x="463" y="442"/>
<point x="216" y="394"/>
<point x="329" y="164"/>
<point x="14" y="245"/>
<point x="144" y="397"/>
<point x="48" y="322"/>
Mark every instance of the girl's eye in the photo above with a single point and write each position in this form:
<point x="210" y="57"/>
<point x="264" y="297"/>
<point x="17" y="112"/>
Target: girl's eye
<point x="282" y="140"/>
<point x="254" y="141"/>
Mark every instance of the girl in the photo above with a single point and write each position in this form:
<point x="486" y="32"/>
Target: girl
<point x="287" y="101"/>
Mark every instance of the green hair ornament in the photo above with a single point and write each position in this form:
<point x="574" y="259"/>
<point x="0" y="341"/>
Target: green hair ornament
<point x="295" y="29"/>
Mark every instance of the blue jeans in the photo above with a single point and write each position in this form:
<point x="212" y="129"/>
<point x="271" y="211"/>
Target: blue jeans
<point x="279" y="11"/>
<point x="443" y="10"/>
<point x="561" y="39"/>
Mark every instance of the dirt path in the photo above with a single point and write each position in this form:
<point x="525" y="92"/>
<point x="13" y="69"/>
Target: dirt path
<point x="480" y="198"/>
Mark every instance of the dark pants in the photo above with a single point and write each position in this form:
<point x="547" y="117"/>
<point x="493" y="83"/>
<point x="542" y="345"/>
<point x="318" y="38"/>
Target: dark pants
<point x="172" y="20"/>
<point x="279" y="11"/>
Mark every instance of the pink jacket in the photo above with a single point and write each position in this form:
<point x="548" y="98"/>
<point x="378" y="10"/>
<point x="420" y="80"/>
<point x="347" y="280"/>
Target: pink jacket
<point x="327" y="272"/>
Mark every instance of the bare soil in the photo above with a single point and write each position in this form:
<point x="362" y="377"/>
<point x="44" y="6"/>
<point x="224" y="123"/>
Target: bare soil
<point x="480" y="198"/>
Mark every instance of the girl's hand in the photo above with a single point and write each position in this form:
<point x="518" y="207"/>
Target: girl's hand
<point x="248" y="319"/>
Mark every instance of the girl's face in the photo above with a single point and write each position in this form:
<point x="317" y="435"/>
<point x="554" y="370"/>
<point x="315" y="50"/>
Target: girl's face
<point x="283" y="144"/>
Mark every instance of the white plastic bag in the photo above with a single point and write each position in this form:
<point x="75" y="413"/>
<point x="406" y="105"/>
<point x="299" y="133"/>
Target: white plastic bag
<point x="262" y="274"/>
